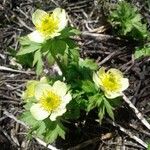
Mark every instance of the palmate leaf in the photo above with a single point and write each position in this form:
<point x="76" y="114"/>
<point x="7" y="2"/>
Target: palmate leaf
<point x="54" y="129"/>
<point x="88" y="86"/>
<point x="103" y="105"/>
<point x="28" y="46"/>
<point x="25" y="41"/>
<point x="94" y="102"/>
<point x="28" y="119"/>
<point x="28" y="49"/>
<point x="88" y="63"/>
<point x="58" y="47"/>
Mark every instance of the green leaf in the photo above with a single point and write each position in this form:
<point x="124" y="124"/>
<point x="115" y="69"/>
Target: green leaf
<point x="88" y="63"/>
<point x="26" y="59"/>
<point x="69" y="31"/>
<point x="28" y="105"/>
<point x="139" y="52"/>
<point x="50" y="59"/>
<point x="71" y="43"/>
<point x="74" y="54"/>
<point x="25" y="41"/>
<point x="27" y="49"/>
<point x="46" y="46"/>
<point x="27" y="46"/>
<point x="73" y="110"/>
<point x="58" y="47"/>
<point x="94" y="101"/>
<point x="88" y="86"/>
<point x="55" y="129"/>
<point x="38" y="61"/>
<point x="101" y="113"/>
<point x="109" y="108"/>
<point x="29" y="119"/>
<point x="40" y="129"/>
<point x="116" y="102"/>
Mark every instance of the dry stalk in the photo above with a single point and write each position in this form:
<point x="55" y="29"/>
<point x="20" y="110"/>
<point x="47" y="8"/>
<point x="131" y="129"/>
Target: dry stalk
<point x="3" y="68"/>
<point x="137" y="113"/>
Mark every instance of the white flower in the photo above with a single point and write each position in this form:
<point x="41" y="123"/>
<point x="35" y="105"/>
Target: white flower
<point x="47" y="25"/>
<point x="51" y="101"/>
<point x="111" y="82"/>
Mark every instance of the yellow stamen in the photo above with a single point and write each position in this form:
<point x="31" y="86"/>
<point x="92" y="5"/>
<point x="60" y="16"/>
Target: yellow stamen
<point x="48" y="25"/>
<point x="50" y="101"/>
<point x="111" y="82"/>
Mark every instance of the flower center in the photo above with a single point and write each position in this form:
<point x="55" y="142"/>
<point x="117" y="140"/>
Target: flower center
<point x="48" y="25"/>
<point x="111" y="82"/>
<point x="50" y="101"/>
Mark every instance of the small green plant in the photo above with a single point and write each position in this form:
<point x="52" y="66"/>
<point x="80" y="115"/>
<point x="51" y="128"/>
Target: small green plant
<point x="127" y="21"/>
<point x="46" y="42"/>
<point x="144" y="51"/>
<point x="54" y="100"/>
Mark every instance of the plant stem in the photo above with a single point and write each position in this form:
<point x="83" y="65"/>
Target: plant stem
<point x="59" y="64"/>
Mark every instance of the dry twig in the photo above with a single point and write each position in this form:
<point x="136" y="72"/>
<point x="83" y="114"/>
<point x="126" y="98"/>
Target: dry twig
<point x="3" y="68"/>
<point x="137" y="113"/>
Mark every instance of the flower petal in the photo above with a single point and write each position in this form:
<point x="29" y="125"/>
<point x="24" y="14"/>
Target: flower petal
<point x="112" y="95"/>
<point x="37" y="16"/>
<point x="57" y="113"/>
<point x="96" y="79"/>
<point x="53" y="35"/>
<point x="115" y="72"/>
<point x="124" y="83"/>
<point x="38" y="113"/>
<point x="60" y="88"/>
<point x="60" y="14"/>
<point x="101" y="72"/>
<point x="67" y="98"/>
<point x="41" y="87"/>
<point x="35" y="36"/>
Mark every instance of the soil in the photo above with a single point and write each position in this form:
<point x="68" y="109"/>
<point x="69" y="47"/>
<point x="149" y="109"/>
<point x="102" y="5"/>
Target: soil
<point x="95" y="42"/>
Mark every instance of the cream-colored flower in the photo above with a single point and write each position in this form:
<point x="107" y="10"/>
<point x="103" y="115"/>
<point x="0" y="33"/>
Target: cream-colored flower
<point x="30" y="88"/>
<point x="51" y="101"/>
<point x="47" y="25"/>
<point x="111" y="82"/>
